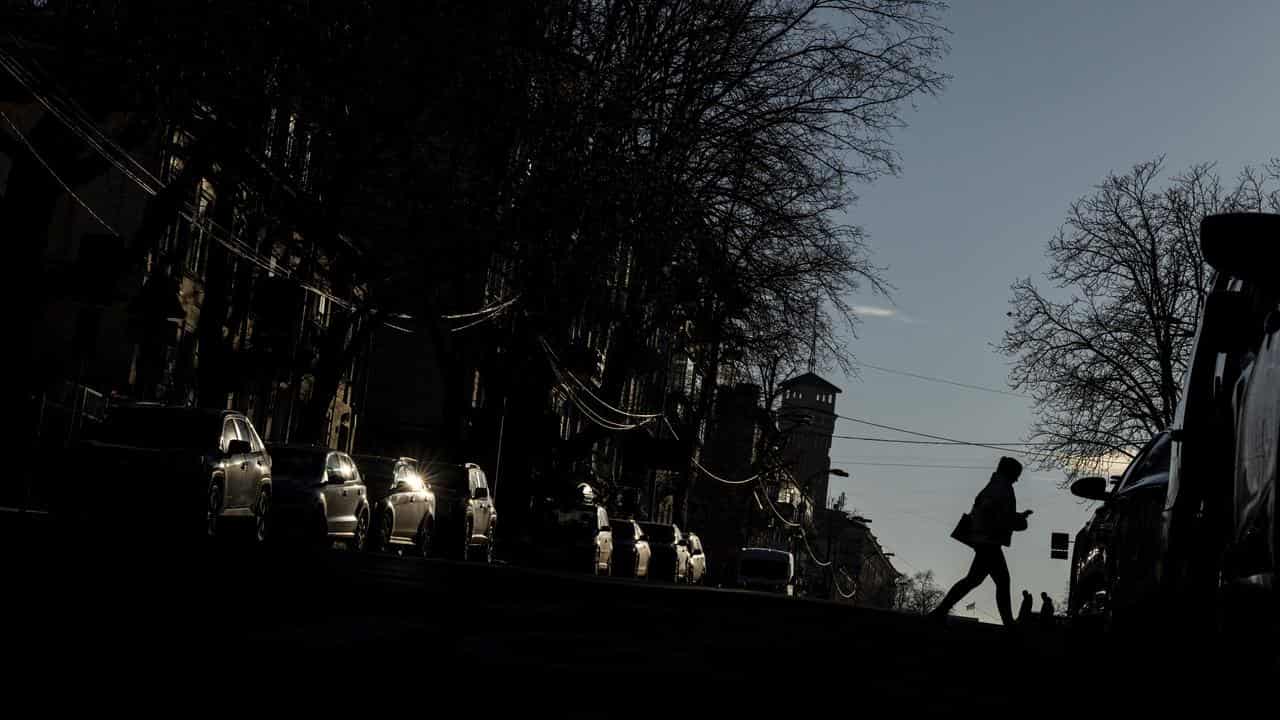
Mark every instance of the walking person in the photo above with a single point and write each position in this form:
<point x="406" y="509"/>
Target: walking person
<point x="1046" y="611"/>
<point x="991" y="525"/>
<point x="1026" y="609"/>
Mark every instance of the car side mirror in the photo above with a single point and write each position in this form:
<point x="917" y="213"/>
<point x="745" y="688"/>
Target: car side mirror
<point x="1242" y="244"/>
<point x="239" y="447"/>
<point x="1090" y="488"/>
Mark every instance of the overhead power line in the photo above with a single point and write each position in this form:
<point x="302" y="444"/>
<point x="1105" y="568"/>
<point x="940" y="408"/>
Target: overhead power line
<point x="954" y="441"/>
<point x="936" y="442"/>
<point x="57" y="178"/>
<point x="943" y="381"/>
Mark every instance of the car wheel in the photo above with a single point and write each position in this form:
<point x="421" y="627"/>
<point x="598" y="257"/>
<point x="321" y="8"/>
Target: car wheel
<point x="213" y="509"/>
<point x="424" y="538"/>
<point x="381" y="541"/>
<point x="357" y="540"/>
<point x="488" y="551"/>
<point x="466" y="540"/>
<point x="262" y="519"/>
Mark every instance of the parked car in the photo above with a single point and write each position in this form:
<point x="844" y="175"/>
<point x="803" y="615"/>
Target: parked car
<point x="1114" y="557"/>
<point x="766" y="570"/>
<point x="466" y="519"/>
<point x="697" y="573"/>
<point x="1219" y="562"/>
<point x="186" y="470"/>
<point x="403" y="510"/>
<point x="631" y="551"/>
<point x="670" y="558"/>
<point x="320" y="496"/>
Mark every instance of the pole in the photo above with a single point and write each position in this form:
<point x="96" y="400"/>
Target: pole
<point x="497" y="463"/>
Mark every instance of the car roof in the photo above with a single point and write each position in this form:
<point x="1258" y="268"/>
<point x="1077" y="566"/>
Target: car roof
<point x="301" y="448"/>
<point x="176" y="409"/>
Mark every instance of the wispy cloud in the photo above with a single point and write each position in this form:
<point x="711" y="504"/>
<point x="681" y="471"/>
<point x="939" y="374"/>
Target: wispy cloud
<point x="876" y="311"/>
<point x="873" y="311"/>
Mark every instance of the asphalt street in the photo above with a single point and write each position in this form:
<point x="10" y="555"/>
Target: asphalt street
<point x="86" y="600"/>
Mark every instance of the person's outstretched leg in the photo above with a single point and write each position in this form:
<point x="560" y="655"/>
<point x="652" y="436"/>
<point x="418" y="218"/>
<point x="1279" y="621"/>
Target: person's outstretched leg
<point x="999" y="570"/>
<point x="977" y="573"/>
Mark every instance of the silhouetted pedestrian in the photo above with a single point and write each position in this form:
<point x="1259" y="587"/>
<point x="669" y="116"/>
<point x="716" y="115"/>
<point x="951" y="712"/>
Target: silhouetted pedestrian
<point x="1046" y="611"/>
<point x="1026" y="609"/>
<point x="991" y="524"/>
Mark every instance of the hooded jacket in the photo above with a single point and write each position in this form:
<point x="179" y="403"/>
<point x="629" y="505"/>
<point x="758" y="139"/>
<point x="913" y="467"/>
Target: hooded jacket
<point x="995" y="513"/>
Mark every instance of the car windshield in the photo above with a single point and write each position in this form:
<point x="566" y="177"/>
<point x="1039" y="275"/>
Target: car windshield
<point x="286" y="461"/>
<point x="159" y="428"/>
<point x="765" y="568"/>
<point x="659" y="533"/>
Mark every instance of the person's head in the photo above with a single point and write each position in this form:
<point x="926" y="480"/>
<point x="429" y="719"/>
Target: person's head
<point x="1026" y="594"/>
<point x="1009" y="469"/>
<point x="1044" y="596"/>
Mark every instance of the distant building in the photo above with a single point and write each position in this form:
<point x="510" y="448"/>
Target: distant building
<point x="807" y="419"/>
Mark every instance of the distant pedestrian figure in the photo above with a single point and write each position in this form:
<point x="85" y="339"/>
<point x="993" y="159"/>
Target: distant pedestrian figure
<point x="992" y="522"/>
<point x="1025" y="610"/>
<point x="1046" y="611"/>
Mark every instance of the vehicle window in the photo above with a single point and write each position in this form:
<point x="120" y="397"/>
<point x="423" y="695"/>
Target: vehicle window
<point x="349" y="472"/>
<point x="228" y="434"/>
<point x="242" y="429"/>
<point x="407" y="474"/>
<point x="765" y="567"/>
<point x="1154" y="460"/>
<point x="602" y="517"/>
<point x="333" y="466"/>
<point x="254" y="441"/>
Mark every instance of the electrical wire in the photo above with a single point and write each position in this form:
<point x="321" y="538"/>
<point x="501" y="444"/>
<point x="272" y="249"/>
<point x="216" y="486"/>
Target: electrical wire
<point x="497" y="307"/>
<point x="36" y="154"/>
<point x="943" y="381"/>
<point x="555" y="360"/>
<point x="944" y="438"/>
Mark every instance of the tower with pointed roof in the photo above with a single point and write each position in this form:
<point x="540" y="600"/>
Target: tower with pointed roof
<point x="808" y="417"/>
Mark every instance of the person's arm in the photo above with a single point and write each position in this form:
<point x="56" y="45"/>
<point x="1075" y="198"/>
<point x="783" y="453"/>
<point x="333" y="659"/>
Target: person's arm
<point x="1020" y="520"/>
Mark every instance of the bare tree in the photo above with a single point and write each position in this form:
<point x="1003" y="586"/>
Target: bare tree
<point x="1103" y="348"/>
<point x="918" y="594"/>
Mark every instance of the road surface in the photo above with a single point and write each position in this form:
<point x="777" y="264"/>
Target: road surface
<point x="145" y="610"/>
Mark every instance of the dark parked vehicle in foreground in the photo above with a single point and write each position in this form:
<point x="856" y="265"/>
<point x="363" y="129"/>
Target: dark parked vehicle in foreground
<point x="320" y="496"/>
<point x="571" y="535"/>
<point x="187" y="470"/>
<point x="670" y="562"/>
<point x="1220" y="555"/>
<point x="466" y="519"/>
<point x="403" y="510"/>
<point x="1114" y="557"/>
<point x="631" y="551"/>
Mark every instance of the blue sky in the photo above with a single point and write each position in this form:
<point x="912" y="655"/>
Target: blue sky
<point x="1047" y="98"/>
